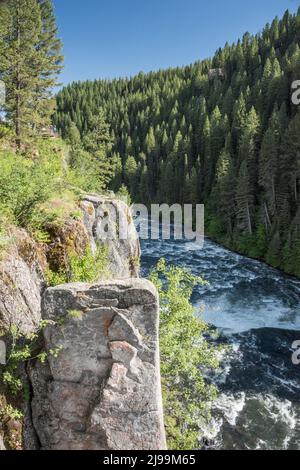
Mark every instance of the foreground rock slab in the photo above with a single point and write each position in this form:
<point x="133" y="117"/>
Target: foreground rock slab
<point x="103" y="390"/>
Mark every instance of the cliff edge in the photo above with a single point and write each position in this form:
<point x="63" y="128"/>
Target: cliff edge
<point x="102" y="390"/>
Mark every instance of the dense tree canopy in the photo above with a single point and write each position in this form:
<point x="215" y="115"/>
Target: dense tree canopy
<point x="222" y="131"/>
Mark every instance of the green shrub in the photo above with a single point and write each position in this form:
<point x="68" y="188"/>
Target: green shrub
<point x="261" y="242"/>
<point x="26" y="183"/>
<point x="124" y="195"/>
<point x="9" y="412"/>
<point x="22" y="348"/>
<point x="90" y="267"/>
<point x="274" y="253"/>
<point x="53" y="212"/>
<point x="215" y="228"/>
<point x="5" y="132"/>
<point x="185" y="358"/>
<point x="75" y="314"/>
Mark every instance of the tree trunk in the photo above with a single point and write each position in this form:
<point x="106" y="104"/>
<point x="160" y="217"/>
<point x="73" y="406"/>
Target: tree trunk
<point x="268" y="221"/>
<point x="249" y="219"/>
<point x="274" y="193"/>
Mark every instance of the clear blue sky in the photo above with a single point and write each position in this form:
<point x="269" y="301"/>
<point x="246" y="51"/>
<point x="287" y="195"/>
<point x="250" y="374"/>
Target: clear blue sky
<point x="112" y="38"/>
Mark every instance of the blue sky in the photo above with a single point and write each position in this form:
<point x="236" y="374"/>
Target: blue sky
<point x="112" y="38"/>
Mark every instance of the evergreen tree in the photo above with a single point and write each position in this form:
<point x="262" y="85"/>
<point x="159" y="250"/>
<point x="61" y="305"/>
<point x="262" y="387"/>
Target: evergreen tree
<point x="98" y="140"/>
<point x="131" y="175"/>
<point x="50" y="62"/>
<point x="268" y="169"/>
<point x="21" y="31"/>
<point x="30" y="62"/>
<point x="244" y="200"/>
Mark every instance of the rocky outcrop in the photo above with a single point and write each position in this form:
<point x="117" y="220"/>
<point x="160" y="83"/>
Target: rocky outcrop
<point x="109" y="221"/>
<point x="102" y="392"/>
<point x="21" y="270"/>
<point x="21" y="282"/>
<point x="66" y="239"/>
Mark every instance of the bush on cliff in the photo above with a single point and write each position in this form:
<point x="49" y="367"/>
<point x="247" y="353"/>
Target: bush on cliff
<point x="26" y="182"/>
<point x="38" y="187"/>
<point x="186" y="355"/>
<point x="89" y="267"/>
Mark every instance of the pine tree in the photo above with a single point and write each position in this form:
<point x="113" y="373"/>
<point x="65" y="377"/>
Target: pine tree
<point x="72" y="135"/>
<point x="50" y="63"/>
<point x="239" y="113"/>
<point x="131" y="175"/>
<point x="194" y="187"/>
<point x="244" y="200"/>
<point x="268" y="168"/>
<point x="116" y="181"/>
<point x="206" y="155"/>
<point x="216" y="143"/>
<point x="98" y="144"/>
<point x="21" y="31"/>
<point x="98" y="139"/>
<point x="30" y="62"/>
<point x="144" y="186"/>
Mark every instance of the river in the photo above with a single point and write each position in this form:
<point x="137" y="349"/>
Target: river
<point x="257" y="312"/>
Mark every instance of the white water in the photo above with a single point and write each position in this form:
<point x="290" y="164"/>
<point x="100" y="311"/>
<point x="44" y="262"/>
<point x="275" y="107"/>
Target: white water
<point x="257" y="310"/>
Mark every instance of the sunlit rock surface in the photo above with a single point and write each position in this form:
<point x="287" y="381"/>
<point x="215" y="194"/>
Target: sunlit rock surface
<point x="103" y="390"/>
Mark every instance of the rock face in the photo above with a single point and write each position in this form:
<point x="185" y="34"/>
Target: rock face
<point x="21" y="281"/>
<point x="21" y="271"/>
<point x="109" y="221"/>
<point x="103" y="391"/>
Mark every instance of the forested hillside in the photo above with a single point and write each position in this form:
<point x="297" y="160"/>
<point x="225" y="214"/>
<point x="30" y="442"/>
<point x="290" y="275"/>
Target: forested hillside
<point x="222" y="131"/>
<point x="44" y="242"/>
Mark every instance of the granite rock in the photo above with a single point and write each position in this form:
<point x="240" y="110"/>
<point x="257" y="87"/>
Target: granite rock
<point x="103" y="390"/>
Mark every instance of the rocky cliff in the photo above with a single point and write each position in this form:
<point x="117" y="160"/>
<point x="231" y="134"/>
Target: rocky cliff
<point x="109" y="221"/>
<point x="102" y="391"/>
<point x="21" y="283"/>
<point x="23" y="266"/>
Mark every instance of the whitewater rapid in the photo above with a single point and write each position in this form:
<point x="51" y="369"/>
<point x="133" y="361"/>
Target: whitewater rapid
<point x="257" y="312"/>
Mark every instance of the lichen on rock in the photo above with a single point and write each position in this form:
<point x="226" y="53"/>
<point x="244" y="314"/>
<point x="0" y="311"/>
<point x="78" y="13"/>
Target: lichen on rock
<point x="103" y="391"/>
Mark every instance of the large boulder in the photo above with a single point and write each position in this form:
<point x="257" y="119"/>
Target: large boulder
<point x="102" y="391"/>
